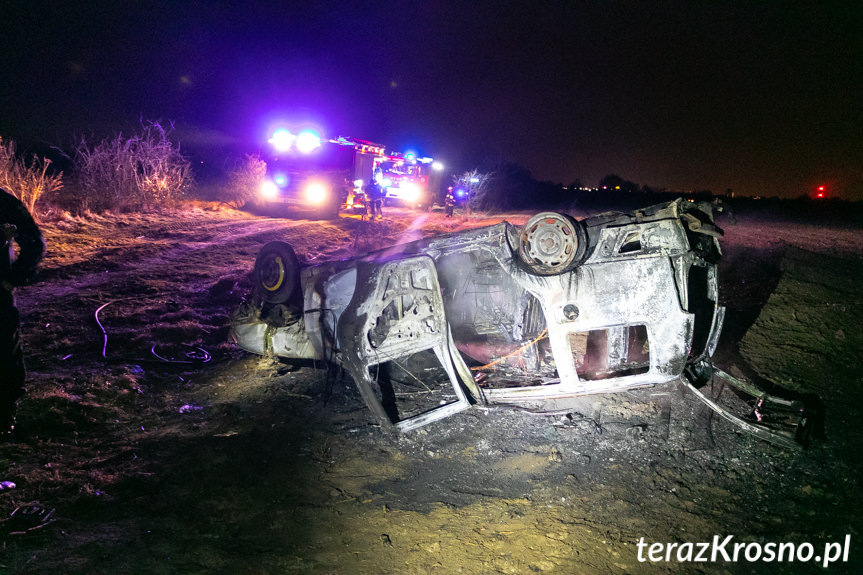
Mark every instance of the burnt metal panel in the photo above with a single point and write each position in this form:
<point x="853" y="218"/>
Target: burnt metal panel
<point x="397" y="310"/>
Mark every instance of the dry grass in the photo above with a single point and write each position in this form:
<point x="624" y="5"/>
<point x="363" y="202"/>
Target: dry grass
<point x="27" y="181"/>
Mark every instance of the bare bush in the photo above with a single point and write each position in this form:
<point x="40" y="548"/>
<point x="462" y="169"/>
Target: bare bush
<point x="244" y="181"/>
<point x="477" y="186"/>
<point x="105" y="172"/>
<point x="26" y="181"/>
<point x="135" y="171"/>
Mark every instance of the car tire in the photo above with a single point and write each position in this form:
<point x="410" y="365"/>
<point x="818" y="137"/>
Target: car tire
<point x="551" y="243"/>
<point x="277" y="273"/>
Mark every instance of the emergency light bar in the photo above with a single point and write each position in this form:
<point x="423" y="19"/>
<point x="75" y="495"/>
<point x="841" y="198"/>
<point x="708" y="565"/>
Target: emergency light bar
<point x="305" y="142"/>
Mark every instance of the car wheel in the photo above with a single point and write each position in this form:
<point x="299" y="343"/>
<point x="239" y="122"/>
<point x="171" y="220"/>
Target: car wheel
<point x="551" y="243"/>
<point x="277" y="272"/>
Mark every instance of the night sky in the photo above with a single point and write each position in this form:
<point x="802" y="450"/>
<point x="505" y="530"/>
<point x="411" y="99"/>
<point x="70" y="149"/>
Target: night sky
<point x="764" y="98"/>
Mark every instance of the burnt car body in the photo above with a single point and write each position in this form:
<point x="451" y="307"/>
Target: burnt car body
<point x="522" y="315"/>
<point x="562" y="307"/>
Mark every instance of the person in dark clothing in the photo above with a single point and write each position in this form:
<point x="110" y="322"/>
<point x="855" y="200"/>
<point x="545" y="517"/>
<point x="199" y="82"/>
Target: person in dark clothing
<point x="449" y="203"/>
<point x="720" y="207"/>
<point x="376" y="197"/>
<point x="18" y="227"/>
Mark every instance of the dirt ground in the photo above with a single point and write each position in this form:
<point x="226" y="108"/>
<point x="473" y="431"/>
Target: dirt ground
<point x="216" y="461"/>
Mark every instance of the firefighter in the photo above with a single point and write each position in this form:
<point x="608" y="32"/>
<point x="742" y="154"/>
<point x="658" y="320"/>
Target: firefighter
<point x="449" y="202"/>
<point x="375" y="194"/>
<point x="720" y="207"/>
<point x="17" y="226"/>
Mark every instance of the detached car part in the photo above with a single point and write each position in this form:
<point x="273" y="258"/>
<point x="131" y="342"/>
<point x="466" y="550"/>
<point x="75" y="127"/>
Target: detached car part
<point x="788" y="421"/>
<point x="503" y="314"/>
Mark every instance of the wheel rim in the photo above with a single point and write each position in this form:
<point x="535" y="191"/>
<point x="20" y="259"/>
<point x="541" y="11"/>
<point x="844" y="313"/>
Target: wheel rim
<point x="273" y="274"/>
<point x="549" y="242"/>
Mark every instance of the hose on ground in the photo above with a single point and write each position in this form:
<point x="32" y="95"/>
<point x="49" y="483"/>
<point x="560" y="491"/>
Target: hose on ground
<point x="195" y="355"/>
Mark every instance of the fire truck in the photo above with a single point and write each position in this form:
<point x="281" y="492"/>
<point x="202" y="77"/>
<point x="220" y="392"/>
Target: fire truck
<point x="408" y="180"/>
<point x="308" y="173"/>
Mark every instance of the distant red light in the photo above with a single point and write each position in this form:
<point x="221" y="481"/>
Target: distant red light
<point x="820" y="188"/>
<point x="819" y="194"/>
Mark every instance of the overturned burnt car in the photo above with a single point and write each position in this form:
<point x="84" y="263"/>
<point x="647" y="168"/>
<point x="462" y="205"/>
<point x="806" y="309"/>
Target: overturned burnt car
<point x="522" y="315"/>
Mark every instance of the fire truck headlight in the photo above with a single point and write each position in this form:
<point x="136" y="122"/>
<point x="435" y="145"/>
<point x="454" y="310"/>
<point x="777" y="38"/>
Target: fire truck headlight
<point x="410" y="191"/>
<point x="316" y="193"/>
<point x="269" y="189"/>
